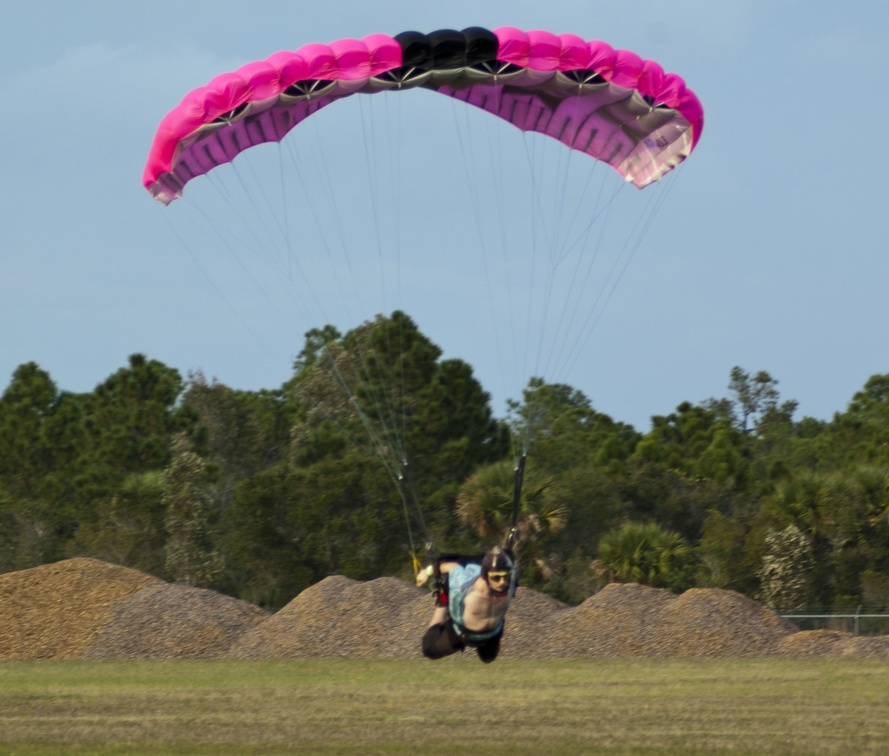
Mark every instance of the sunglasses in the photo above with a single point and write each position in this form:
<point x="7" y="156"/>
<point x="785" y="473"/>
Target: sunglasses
<point x="498" y="576"/>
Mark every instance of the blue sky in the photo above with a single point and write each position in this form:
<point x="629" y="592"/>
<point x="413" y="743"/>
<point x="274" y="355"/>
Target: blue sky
<point x="768" y="252"/>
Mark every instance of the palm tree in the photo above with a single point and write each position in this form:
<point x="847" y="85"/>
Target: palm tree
<point x="644" y="553"/>
<point x="485" y="503"/>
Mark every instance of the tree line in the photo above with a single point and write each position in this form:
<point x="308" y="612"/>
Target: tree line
<point x="377" y="447"/>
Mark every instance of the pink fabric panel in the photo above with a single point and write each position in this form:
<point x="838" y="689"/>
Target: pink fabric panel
<point x="172" y="128"/>
<point x="198" y="107"/>
<point x="574" y="54"/>
<point x="223" y="94"/>
<point x="545" y="50"/>
<point x="671" y="90"/>
<point x="385" y="53"/>
<point x="514" y="46"/>
<point x="352" y="59"/>
<point x="651" y="79"/>
<point x="602" y="57"/>
<point x="320" y="62"/>
<point x="263" y="80"/>
<point x="627" y="69"/>
<point x="291" y="65"/>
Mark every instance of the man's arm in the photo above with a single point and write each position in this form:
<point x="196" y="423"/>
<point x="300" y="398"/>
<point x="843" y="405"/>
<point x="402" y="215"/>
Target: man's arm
<point x="446" y="563"/>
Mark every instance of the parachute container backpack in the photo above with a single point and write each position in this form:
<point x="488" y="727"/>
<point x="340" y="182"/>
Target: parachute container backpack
<point x="610" y="104"/>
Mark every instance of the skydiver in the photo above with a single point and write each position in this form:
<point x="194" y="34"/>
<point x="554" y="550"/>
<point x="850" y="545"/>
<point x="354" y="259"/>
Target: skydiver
<point x="471" y="603"/>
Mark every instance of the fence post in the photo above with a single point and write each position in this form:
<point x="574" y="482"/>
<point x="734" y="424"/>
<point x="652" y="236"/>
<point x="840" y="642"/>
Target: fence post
<point x="857" y="612"/>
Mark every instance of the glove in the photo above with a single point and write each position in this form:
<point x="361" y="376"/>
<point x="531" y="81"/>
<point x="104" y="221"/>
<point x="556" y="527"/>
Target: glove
<point x="423" y="576"/>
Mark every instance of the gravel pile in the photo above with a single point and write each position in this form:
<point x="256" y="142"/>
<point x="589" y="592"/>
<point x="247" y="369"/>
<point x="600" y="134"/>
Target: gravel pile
<point x="339" y="617"/>
<point x="713" y="622"/>
<point x="166" y="621"/>
<point x="832" y="643"/>
<point x="620" y="620"/>
<point x="84" y="608"/>
<point x="54" y="611"/>
<point x="530" y="620"/>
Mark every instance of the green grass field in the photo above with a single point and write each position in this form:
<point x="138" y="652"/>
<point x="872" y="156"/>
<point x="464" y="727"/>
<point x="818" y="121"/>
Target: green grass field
<point x="453" y="706"/>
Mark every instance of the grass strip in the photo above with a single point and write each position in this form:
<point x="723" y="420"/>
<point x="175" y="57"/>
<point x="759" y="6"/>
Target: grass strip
<point x="459" y="705"/>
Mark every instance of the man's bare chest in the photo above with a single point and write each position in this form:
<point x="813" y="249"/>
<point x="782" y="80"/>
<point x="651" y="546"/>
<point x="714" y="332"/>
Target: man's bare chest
<point x="483" y="612"/>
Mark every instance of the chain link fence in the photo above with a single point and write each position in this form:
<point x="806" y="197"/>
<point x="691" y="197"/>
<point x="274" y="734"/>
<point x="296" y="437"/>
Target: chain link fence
<point x="860" y="622"/>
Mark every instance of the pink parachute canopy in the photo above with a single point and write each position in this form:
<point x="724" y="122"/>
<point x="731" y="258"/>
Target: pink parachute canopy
<point x="610" y="104"/>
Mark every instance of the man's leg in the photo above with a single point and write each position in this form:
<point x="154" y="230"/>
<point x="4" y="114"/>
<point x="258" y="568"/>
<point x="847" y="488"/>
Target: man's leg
<point x="439" y="616"/>
<point x="488" y="650"/>
<point x="441" y="640"/>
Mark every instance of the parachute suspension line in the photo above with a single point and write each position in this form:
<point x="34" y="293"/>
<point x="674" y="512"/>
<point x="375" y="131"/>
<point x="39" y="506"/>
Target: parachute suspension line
<point x="558" y="249"/>
<point x="281" y="219"/>
<point x="388" y="388"/>
<point x="382" y="408"/>
<point x="260" y="188"/>
<point x="658" y="196"/>
<point x="541" y="236"/>
<point x="235" y="215"/>
<point x="581" y="293"/>
<point x="387" y="442"/>
<point x="244" y="210"/>
<point x="263" y="221"/>
<point x="384" y="404"/>
<point x="214" y="229"/>
<point x="409" y="497"/>
<point x="322" y="203"/>
<point x="393" y="153"/>
<point x="370" y="151"/>
<point x="405" y="492"/>
<point x="384" y="396"/>
<point x="290" y="257"/>
<point x="381" y="405"/>
<point x="399" y="472"/>
<point x="391" y="452"/>
<point x="379" y="444"/>
<point x="578" y="284"/>
<point x="471" y="161"/>
<point x="502" y="268"/>
<point x="584" y="233"/>
<point x="546" y="235"/>
<point x="383" y="429"/>
<point x="555" y="238"/>
<point x="200" y="266"/>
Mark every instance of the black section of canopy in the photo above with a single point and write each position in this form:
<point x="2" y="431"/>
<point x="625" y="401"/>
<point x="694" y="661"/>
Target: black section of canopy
<point x="445" y="49"/>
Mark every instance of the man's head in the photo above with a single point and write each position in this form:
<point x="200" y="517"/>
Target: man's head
<point x="497" y="568"/>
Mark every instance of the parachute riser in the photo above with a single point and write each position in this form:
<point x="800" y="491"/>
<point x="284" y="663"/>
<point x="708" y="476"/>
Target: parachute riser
<point x="519" y="479"/>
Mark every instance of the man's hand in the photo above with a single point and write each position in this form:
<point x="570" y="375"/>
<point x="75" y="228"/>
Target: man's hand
<point x="422" y="577"/>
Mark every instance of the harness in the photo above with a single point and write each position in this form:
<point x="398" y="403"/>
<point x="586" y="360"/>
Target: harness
<point x="460" y="582"/>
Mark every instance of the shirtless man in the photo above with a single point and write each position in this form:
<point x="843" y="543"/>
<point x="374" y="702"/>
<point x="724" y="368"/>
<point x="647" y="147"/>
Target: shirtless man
<point x="478" y="595"/>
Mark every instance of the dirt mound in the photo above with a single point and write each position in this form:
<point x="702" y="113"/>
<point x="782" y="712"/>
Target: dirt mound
<point x="167" y="621"/>
<point x="714" y="622"/>
<point x="56" y="610"/>
<point x="620" y="620"/>
<point x="339" y="617"/>
<point x="530" y="618"/>
<point x="382" y="618"/>
<point x="832" y="643"/>
<point x="634" y="620"/>
<point x="84" y="608"/>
